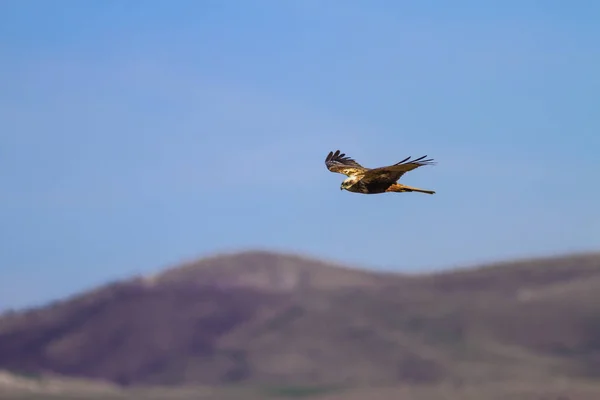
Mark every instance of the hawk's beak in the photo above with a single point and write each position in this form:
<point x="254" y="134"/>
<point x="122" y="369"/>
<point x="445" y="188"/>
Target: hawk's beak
<point x="341" y="187"/>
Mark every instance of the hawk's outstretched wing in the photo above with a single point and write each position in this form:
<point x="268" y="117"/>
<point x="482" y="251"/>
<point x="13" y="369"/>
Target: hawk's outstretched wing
<point x="394" y="172"/>
<point x="338" y="162"/>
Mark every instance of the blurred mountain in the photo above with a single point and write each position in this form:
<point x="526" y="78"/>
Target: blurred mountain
<point x="260" y="317"/>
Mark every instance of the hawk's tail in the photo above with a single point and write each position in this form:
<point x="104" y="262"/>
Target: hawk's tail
<point x="398" y="188"/>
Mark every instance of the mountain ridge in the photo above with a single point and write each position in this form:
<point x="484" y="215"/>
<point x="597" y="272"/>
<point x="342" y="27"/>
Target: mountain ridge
<point x="264" y="317"/>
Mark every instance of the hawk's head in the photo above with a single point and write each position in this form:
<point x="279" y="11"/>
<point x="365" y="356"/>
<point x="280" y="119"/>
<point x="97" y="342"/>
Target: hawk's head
<point x="348" y="182"/>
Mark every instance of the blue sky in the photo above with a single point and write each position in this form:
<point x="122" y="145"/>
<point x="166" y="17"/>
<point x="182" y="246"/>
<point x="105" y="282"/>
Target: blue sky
<point x="135" y="135"/>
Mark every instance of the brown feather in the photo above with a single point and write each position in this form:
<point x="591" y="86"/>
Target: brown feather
<point x="340" y="163"/>
<point x="374" y="180"/>
<point x="394" y="172"/>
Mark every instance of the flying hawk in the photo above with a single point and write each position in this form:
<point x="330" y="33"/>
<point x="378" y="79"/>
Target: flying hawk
<point x="374" y="180"/>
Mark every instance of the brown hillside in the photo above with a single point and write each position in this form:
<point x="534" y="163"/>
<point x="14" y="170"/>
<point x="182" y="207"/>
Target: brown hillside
<point x="259" y="317"/>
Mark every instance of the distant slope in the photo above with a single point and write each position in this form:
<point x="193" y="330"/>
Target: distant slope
<point x="261" y="317"/>
<point x="14" y="386"/>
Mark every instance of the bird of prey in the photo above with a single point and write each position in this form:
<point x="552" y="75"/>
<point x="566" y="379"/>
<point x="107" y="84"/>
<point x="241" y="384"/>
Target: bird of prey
<point x="374" y="180"/>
